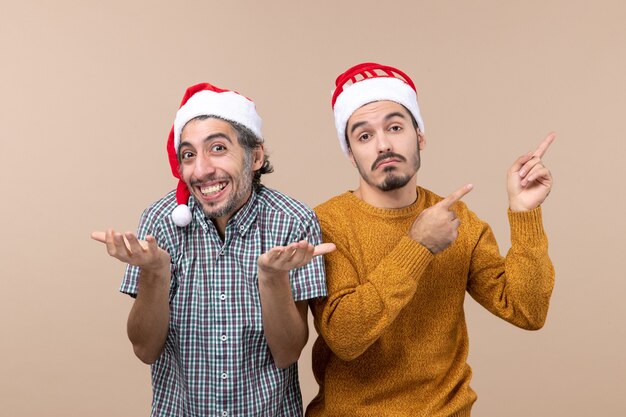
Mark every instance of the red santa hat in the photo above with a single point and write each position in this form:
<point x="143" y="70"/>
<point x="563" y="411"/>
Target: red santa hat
<point x="206" y="100"/>
<point x="368" y="82"/>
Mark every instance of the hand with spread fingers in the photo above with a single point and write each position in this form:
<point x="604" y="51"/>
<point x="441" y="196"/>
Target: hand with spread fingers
<point x="295" y="255"/>
<point x="145" y="254"/>
<point x="529" y="181"/>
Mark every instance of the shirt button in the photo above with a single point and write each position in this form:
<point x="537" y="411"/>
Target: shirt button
<point x="224" y="375"/>
<point x="222" y="297"/>
<point x="241" y="228"/>
<point x="223" y="338"/>
<point x="224" y="413"/>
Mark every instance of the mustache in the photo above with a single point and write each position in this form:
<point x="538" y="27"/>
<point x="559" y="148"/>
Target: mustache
<point x="209" y="178"/>
<point x="387" y="155"/>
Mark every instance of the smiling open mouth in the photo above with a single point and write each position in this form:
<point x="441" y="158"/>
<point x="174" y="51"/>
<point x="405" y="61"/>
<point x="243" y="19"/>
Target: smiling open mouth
<point x="213" y="189"/>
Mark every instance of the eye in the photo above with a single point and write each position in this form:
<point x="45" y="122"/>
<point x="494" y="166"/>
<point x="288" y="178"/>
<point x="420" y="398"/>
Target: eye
<point x="395" y="128"/>
<point x="218" y="148"/>
<point x="186" y="155"/>
<point x="364" y="137"/>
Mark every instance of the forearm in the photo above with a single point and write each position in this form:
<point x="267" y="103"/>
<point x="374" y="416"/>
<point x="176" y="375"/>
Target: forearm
<point x="358" y="311"/>
<point x="529" y="270"/>
<point x="284" y="321"/>
<point x="148" y="321"/>
<point x="518" y="287"/>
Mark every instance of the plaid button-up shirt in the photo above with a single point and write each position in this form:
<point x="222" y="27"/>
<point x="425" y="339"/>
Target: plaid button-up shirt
<point x="216" y="361"/>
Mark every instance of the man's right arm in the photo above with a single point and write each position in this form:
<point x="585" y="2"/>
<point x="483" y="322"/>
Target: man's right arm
<point x="148" y="321"/>
<point x="358" y="310"/>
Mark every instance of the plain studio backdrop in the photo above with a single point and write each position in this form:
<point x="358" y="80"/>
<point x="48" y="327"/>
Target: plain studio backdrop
<point x="88" y="93"/>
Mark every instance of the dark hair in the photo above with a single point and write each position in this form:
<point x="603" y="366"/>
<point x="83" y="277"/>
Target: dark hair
<point x="249" y="142"/>
<point x="415" y="125"/>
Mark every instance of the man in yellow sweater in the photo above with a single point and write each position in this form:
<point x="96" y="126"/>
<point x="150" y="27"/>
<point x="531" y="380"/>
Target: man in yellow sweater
<point x="393" y="338"/>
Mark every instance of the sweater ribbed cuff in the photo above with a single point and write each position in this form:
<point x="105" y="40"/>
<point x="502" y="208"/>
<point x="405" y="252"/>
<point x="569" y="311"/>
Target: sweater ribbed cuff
<point x="400" y="272"/>
<point x="462" y="413"/>
<point x="410" y="256"/>
<point x="526" y="226"/>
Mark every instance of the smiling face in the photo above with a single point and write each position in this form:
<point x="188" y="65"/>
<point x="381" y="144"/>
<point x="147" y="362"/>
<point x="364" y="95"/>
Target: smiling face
<point x="218" y="171"/>
<point x="384" y="146"/>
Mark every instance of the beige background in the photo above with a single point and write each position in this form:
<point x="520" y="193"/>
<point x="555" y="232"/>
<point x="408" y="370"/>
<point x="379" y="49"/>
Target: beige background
<point x="89" y="91"/>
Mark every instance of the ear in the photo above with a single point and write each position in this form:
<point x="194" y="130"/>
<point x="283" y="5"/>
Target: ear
<point x="421" y="140"/>
<point x="259" y="157"/>
<point x="351" y="157"/>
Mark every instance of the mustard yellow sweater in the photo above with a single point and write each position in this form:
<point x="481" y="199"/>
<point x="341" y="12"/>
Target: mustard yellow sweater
<point x="393" y="334"/>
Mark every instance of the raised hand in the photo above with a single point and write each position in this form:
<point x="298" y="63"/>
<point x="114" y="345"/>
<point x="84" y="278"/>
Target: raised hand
<point x="295" y="255"/>
<point x="437" y="226"/>
<point x="529" y="182"/>
<point x="127" y="248"/>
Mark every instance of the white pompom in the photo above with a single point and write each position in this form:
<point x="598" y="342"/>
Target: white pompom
<point x="181" y="215"/>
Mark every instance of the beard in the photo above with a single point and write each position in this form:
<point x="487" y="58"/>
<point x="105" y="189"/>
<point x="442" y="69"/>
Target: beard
<point x="242" y="188"/>
<point x="392" y="180"/>
<point x="234" y="201"/>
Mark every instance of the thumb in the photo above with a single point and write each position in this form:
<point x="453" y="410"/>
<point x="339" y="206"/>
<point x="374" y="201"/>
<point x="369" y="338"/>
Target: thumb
<point x="324" y="248"/>
<point x="99" y="236"/>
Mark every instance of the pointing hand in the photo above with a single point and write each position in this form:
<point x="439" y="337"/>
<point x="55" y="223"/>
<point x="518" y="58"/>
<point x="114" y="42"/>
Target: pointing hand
<point x="437" y="226"/>
<point x="529" y="181"/>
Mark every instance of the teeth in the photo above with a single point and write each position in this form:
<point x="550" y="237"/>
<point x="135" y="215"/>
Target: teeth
<point x="212" y="189"/>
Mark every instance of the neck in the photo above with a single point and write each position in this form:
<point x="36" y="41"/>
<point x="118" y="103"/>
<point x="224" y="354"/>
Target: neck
<point x="220" y="224"/>
<point x="221" y="221"/>
<point x="401" y="197"/>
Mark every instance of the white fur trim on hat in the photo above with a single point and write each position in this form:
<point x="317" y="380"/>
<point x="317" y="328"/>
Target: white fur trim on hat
<point x="367" y="91"/>
<point x="226" y="105"/>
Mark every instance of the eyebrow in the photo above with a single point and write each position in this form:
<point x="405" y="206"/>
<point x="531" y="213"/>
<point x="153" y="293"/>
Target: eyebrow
<point x="394" y="114"/>
<point x="357" y="125"/>
<point x="207" y="139"/>
<point x="387" y="117"/>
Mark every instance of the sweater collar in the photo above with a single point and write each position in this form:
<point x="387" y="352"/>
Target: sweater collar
<point x="411" y="210"/>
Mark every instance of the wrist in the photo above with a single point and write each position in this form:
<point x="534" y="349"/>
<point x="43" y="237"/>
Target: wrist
<point x="156" y="275"/>
<point x="518" y="208"/>
<point x="273" y="278"/>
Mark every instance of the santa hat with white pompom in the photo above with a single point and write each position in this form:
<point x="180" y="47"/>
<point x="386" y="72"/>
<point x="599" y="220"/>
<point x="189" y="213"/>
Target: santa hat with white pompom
<point x="206" y="100"/>
<point x="368" y="82"/>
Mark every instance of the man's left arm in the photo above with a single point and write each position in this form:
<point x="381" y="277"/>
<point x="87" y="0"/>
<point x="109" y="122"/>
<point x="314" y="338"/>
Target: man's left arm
<point x="284" y="320"/>
<point x="518" y="287"/>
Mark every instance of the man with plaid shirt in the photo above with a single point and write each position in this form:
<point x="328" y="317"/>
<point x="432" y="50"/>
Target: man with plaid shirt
<point x="221" y="270"/>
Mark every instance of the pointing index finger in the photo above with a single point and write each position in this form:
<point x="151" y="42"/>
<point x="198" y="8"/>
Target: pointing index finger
<point x="456" y="196"/>
<point x="543" y="146"/>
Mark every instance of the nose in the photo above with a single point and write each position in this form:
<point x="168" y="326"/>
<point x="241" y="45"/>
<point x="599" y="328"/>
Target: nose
<point x="203" y="166"/>
<point x="383" y="144"/>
